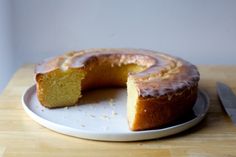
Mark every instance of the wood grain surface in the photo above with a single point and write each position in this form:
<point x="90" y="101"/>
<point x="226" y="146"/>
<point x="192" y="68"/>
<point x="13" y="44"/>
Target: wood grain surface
<point x="21" y="136"/>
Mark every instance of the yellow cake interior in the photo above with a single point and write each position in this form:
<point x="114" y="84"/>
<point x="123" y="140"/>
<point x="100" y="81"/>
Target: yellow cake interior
<point x="60" y="88"/>
<point x="132" y="98"/>
<point x="63" y="87"/>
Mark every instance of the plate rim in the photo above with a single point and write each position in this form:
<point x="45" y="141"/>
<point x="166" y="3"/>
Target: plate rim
<point x="131" y="136"/>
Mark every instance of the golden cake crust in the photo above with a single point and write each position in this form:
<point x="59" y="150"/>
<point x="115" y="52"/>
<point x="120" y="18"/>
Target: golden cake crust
<point x="167" y="88"/>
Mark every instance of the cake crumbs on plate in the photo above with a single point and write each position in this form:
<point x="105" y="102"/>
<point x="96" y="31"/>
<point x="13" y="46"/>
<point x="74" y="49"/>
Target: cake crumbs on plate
<point x="114" y="113"/>
<point x="92" y="116"/>
<point x="66" y="107"/>
<point x="82" y="125"/>
<point x="105" y="117"/>
<point x="111" y="102"/>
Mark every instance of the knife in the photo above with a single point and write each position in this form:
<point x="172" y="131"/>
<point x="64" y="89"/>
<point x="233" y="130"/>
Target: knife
<point x="228" y="100"/>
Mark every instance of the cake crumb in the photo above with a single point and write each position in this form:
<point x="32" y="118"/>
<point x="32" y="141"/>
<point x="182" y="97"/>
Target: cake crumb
<point x="66" y="107"/>
<point x="111" y="102"/>
<point x="82" y="125"/>
<point x="92" y="116"/>
<point x="114" y="113"/>
<point x="105" y="117"/>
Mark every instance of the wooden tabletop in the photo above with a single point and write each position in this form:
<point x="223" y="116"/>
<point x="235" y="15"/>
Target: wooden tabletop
<point x="21" y="136"/>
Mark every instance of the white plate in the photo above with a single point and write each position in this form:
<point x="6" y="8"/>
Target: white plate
<point x="101" y="115"/>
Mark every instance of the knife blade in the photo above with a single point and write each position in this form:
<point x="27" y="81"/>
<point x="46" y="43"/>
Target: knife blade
<point x="228" y="100"/>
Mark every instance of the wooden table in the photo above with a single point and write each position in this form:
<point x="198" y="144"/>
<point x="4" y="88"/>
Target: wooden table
<point x="21" y="136"/>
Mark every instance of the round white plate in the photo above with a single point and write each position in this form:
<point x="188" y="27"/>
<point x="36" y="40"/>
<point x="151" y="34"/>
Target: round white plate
<point x="101" y="115"/>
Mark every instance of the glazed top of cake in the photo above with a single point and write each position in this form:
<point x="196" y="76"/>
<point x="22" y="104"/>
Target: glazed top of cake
<point x="164" y="74"/>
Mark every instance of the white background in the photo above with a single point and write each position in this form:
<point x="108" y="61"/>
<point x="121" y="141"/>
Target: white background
<point x="201" y="31"/>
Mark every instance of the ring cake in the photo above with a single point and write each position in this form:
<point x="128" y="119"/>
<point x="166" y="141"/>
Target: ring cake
<point x="161" y="88"/>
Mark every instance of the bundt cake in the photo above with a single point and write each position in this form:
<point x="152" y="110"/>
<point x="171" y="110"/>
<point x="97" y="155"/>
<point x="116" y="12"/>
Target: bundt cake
<point x="161" y="88"/>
